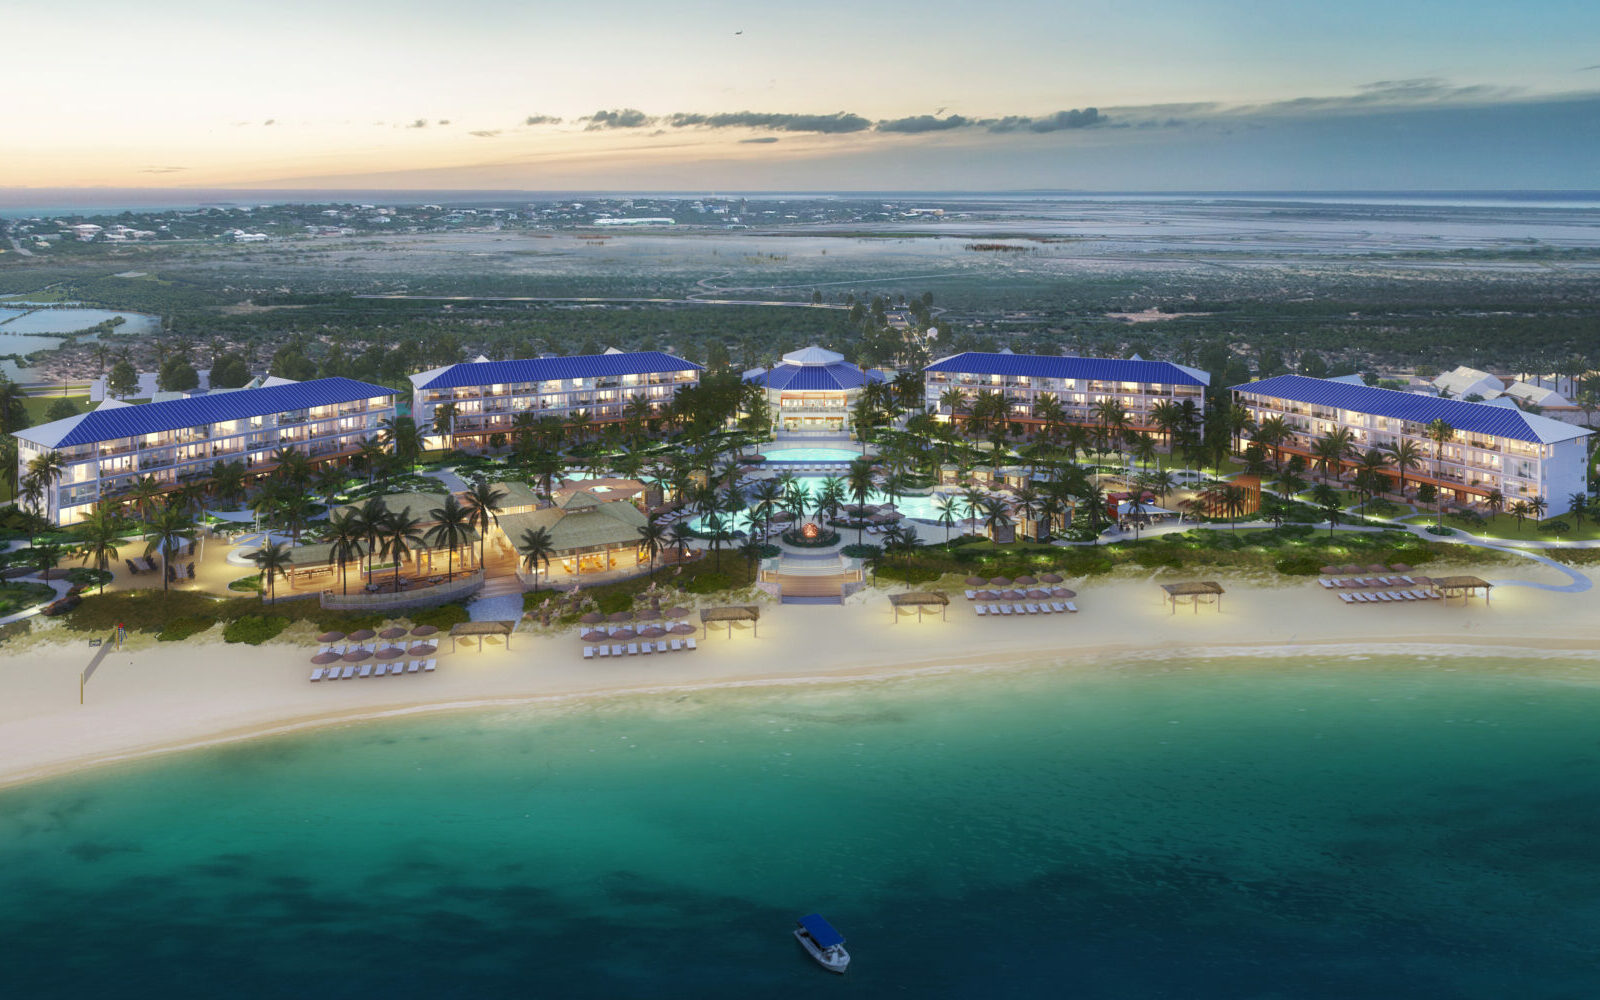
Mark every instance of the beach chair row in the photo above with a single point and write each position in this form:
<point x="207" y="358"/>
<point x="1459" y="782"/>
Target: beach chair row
<point x="1389" y="596"/>
<point x="1042" y="608"/>
<point x="373" y="647"/>
<point x="639" y="648"/>
<point x="1331" y="583"/>
<point x="351" y="671"/>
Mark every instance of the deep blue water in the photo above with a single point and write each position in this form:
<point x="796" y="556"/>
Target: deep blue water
<point x="1270" y="829"/>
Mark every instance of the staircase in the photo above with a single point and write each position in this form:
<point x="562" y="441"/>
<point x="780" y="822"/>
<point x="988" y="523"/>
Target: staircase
<point x="812" y="579"/>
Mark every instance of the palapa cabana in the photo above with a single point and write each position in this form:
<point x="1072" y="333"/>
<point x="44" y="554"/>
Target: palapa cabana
<point x="466" y="630"/>
<point x="1464" y="587"/>
<point x="1196" y="591"/>
<point x="737" y="613"/>
<point x="921" y="600"/>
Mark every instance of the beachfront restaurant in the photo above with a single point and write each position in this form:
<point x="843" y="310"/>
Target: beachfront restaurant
<point x="587" y="534"/>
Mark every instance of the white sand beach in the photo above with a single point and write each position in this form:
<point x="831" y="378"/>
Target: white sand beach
<point x="158" y="697"/>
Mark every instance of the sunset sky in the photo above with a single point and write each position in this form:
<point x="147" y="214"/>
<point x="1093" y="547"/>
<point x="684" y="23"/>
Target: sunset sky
<point x="1160" y="94"/>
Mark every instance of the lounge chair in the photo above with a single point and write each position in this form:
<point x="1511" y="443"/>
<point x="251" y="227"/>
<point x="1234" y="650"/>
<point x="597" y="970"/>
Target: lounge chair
<point x="618" y="649"/>
<point x="380" y="670"/>
<point x="1327" y="584"/>
<point x="1348" y="598"/>
<point x="415" y="666"/>
<point x="1408" y="581"/>
<point x="430" y="665"/>
<point x="1057" y="607"/>
<point x="1033" y="609"/>
<point x="317" y="674"/>
<point x="1019" y="609"/>
<point x="647" y="648"/>
<point x="677" y="645"/>
<point x="1005" y="609"/>
<point x="689" y="643"/>
<point x="633" y="649"/>
<point x="347" y="673"/>
<point x="366" y="670"/>
<point x="982" y="610"/>
<point x="1071" y="607"/>
<point x="994" y="609"/>
<point x="661" y="646"/>
<point x="604" y="651"/>
<point x="972" y="595"/>
<point x="588" y="652"/>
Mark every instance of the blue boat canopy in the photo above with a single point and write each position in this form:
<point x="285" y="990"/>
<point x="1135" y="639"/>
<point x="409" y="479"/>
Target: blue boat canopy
<point x="821" y="931"/>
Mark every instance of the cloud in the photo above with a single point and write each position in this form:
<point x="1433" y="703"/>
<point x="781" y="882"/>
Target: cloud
<point x="924" y="123"/>
<point x="617" y="118"/>
<point x="485" y="133"/>
<point x="762" y="138"/>
<point x="419" y="123"/>
<point x="838" y="122"/>
<point x="542" y="120"/>
<point x="1414" y="92"/>
<point x="444" y="121"/>
<point x="270" y="121"/>
<point x="1061" y="120"/>
<point x="162" y="170"/>
<point x="1585" y="69"/>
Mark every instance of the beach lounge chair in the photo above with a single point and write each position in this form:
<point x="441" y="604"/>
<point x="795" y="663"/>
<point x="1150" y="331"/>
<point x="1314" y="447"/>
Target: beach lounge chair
<point x="1033" y="609"/>
<point x="347" y="673"/>
<point x="661" y="646"/>
<point x="689" y="643"/>
<point x="1019" y="609"/>
<point x="366" y="670"/>
<point x="633" y="649"/>
<point x="1348" y="598"/>
<point x="605" y="651"/>
<point x="1326" y="583"/>
<point x="1408" y="581"/>
<point x="380" y="670"/>
<point x="316" y="674"/>
<point x="1005" y="609"/>
<point x="972" y="595"/>
<point x="994" y="609"/>
<point x="588" y="652"/>
<point x="415" y="666"/>
<point x="982" y="610"/>
<point x="618" y="649"/>
<point x="428" y="666"/>
<point x="1057" y="607"/>
<point x="1071" y="607"/>
<point x="677" y="645"/>
<point x="647" y="648"/>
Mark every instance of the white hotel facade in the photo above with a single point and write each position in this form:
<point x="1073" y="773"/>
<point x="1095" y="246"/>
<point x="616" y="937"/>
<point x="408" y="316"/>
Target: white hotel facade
<point x="107" y="449"/>
<point x="1078" y="384"/>
<point x="1494" y="446"/>
<point x="489" y="395"/>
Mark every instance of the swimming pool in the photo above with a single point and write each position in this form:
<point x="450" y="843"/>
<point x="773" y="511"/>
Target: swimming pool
<point x="911" y="506"/>
<point x="811" y="455"/>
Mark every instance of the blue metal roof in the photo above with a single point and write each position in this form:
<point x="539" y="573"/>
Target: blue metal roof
<point x="1475" y="418"/>
<point x="816" y="378"/>
<point x="1049" y="366"/>
<point x="546" y="369"/>
<point x="821" y="931"/>
<point x="152" y="418"/>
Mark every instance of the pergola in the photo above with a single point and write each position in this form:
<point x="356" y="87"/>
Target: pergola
<point x="1464" y="587"/>
<point x="921" y="600"/>
<point x="466" y="630"/>
<point x="737" y="613"/>
<point x="1197" y="592"/>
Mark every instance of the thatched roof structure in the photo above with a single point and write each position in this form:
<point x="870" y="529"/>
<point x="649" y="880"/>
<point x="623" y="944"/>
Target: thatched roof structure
<point x="479" y="630"/>
<point x="736" y="613"/>
<point x="1463" y="587"/>
<point x="1197" y="592"/>
<point x="582" y="522"/>
<point x="919" y="601"/>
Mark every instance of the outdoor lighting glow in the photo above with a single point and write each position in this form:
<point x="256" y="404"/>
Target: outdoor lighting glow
<point x="809" y="531"/>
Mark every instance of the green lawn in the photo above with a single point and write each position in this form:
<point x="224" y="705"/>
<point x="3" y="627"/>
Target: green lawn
<point x="38" y="407"/>
<point x="1504" y="525"/>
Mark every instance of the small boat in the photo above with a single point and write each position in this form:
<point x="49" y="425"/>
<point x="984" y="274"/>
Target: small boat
<point x="825" y="944"/>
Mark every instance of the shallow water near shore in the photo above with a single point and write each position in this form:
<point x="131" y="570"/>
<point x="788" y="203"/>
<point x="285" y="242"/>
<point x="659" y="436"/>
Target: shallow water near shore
<point x="1316" y="827"/>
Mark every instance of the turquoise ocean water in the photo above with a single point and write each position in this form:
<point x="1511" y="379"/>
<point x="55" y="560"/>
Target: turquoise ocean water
<point x="1265" y="829"/>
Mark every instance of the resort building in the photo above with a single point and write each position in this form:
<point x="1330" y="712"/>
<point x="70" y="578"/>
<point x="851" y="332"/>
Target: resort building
<point x="812" y="389"/>
<point x="1078" y="384"/>
<point x="105" y="450"/>
<point x="588" y="534"/>
<point x="1494" y="447"/>
<point x="490" y="395"/>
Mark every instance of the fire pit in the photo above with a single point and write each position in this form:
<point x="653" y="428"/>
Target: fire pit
<point x="810" y="532"/>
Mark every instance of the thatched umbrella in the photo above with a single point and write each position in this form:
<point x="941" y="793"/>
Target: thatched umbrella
<point x="596" y="635"/>
<point x="1011" y="595"/>
<point x="682" y="628"/>
<point x="392" y="632"/>
<point x="649" y="615"/>
<point x="356" y="656"/>
<point x="325" y="657"/>
<point x="622" y="633"/>
<point x="1050" y="577"/>
<point x="652" y="632"/>
<point x="1062" y="593"/>
<point x="362" y="634"/>
<point x="330" y="637"/>
<point x="977" y="581"/>
<point x="1399" y="568"/>
<point x="592" y="618"/>
<point x="1330" y="571"/>
<point x="390" y="652"/>
<point x="424" y="630"/>
<point x="427" y="649"/>
<point x="1035" y="594"/>
<point x="1349" y="568"/>
<point x="1025" y="581"/>
<point x="986" y="595"/>
<point x="677" y="611"/>
<point x="1422" y="581"/>
<point x="1377" y="568"/>
<point x="620" y="616"/>
<point x="1000" y="581"/>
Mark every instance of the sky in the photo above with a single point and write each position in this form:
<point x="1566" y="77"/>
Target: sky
<point x="825" y="95"/>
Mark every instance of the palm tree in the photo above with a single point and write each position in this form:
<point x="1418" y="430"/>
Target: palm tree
<point x="404" y="438"/>
<point x="995" y="516"/>
<point x="46" y="469"/>
<point x="1440" y="433"/>
<point x="536" y="547"/>
<point x="1271" y="434"/>
<point x="946" y="508"/>
<point x="451" y="529"/>
<point x="8" y="461"/>
<point x="766" y="495"/>
<point x="345" y="536"/>
<point x="330" y="480"/>
<point x="227" y="481"/>
<point x="1328" y="500"/>
<point x="681" y="535"/>
<point x="170" y="526"/>
<point x="444" y="423"/>
<point x="653" y="540"/>
<point x="482" y="500"/>
<point x="370" y="455"/>
<point x="859" y="481"/>
<point x="1538" y="506"/>
<point x="400" y="533"/>
<point x="272" y="559"/>
<point x="99" y="532"/>
<point x="1495" y="500"/>
<point x="1331" y="448"/>
<point x="294" y="511"/>
<point x="1577" y="506"/>
<point x="1404" y="455"/>
<point x="751" y="549"/>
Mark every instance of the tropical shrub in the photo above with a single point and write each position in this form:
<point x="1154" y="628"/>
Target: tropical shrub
<point x="441" y="617"/>
<point x="254" y="629"/>
<point x="182" y="628"/>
